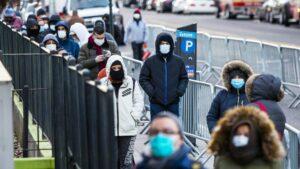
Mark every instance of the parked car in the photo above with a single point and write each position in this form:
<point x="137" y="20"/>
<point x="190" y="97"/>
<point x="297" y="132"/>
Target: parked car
<point x="178" y="6"/>
<point x="151" y="4"/>
<point x="128" y="3"/>
<point x="230" y="9"/>
<point x="164" y="5"/>
<point x="284" y="12"/>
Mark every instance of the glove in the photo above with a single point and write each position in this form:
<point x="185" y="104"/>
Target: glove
<point x="99" y="58"/>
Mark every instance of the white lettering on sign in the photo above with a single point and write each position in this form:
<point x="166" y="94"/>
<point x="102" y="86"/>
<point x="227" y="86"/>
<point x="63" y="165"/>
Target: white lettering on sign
<point x="188" y="45"/>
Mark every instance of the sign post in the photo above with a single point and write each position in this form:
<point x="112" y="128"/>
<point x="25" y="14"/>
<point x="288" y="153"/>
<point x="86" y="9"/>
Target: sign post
<point x="186" y="43"/>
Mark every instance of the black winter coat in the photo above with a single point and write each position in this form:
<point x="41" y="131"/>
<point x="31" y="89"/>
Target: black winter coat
<point x="267" y="90"/>
<point x="164" y="77"/>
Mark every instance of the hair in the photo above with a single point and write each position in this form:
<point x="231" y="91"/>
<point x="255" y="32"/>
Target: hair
<point x="169" y="115"/>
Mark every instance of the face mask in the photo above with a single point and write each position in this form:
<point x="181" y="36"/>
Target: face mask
<point x="117" y="75"/>
<point x="51" y="47"/>
<point x="240" y="140"/>
<point x="162" y="146"/>
<point x="164" y="49"/>
<point x="137" y="16"/>
<point x="99" y="42"/>
<point x="52" y="27"/>
<point x="43" y="28"/>
<point x="61" y="34"/>
<point x="237" y="83"/>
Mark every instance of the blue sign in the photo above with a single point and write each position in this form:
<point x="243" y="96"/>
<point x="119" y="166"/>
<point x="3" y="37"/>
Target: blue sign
<point x="188" y="46"/>
<point x="186" y="34"/>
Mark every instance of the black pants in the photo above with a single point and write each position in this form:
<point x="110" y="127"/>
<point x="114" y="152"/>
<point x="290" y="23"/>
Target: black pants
<point x="137" y="49"/>
<point x="125" y="151"/>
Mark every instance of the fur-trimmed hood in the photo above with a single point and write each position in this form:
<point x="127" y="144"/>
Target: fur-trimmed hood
<point x="233" y="65"/>
<point x="264" y="87"/>
<point x="271" y="146"/>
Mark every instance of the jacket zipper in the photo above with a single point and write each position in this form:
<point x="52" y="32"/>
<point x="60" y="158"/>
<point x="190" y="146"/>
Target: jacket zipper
<point x="166" y="82"/>
<point x="118" y="120"/>
<point x="238" y="101"/>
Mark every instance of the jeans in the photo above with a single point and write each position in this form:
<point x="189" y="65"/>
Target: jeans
<point x="125" y="151"/>
<point x="157" y="108"/>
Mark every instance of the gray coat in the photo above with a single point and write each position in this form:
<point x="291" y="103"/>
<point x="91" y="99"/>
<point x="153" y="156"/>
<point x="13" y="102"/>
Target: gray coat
<point x="88" y="54"/>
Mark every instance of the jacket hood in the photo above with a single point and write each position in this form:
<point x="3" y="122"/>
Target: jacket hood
<point x="270" y="145"/>
<point x="50" y="37"/>
<point x="111" y="60"/>
<point x="32" y="22"/>
<point x="54" y="19"/>
<point x="235" y="65"/>
<point x="164" y="37"/>
<point x="264" y="87"/>
<point x="64" y="24"/>
<point x="81" y="31"/>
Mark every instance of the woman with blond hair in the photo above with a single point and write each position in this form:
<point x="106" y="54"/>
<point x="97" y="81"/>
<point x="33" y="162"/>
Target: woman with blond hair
<point x="245" y="138"/>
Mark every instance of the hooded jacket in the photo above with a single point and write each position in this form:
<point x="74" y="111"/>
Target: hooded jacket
<point x="179" y="160"/>
<point x="267" y="90"/>
<point x="271" y="151"/>
<point x="228" y="98"/>
<point x="53" y="20"/>
<point x="129" y="104"/>
<point x="81" y="32"/>
<point x="68" y="44"/>
<point x="88" y="54"/>
<point x="36" y="37"/>
<point x="163" y="76"/>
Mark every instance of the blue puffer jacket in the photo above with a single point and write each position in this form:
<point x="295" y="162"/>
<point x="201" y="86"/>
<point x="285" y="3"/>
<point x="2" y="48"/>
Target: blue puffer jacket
<point x="68" y="44"/>
<point x="229" y="98"/>
<point x="179" y="160"/>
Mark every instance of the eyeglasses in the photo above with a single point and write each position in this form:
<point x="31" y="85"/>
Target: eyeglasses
<point x="154" y="132"/>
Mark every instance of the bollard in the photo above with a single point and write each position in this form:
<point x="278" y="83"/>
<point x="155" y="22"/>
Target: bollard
<point x="25" y="120"/>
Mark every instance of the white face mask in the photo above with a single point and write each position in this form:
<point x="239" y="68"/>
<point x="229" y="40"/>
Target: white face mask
<point x="136" y="16"/>
<point x="46" y="26"/>
<point x="61" y="34"/>
<point x="165" y="48"/>
<point x="51" y="47"/>
<point x="99" y="42"/>
<point x="240" y="140"/>
<point x="52" y="27"/>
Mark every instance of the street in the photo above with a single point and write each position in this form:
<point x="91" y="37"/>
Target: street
<point x="241" y="28"/>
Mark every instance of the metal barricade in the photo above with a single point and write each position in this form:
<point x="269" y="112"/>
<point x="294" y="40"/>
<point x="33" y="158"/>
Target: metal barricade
<point x="272" y="59"/>
<point x="194" y="110"/>
<point x="291" y="143"/>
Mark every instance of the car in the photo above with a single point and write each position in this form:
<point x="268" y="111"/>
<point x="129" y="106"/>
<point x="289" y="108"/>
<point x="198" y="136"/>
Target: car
<point x="178" y="6"/>
<point x="230" y="9"/>
<point x="285" y="12"/>
<point x="164" y="5"/>
<point x="199" y="6"/>
<point x="151" y="5"/>
<point x="129" y="3"/>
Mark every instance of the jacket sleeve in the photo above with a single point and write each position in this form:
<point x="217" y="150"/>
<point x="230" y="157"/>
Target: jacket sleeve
<point x="138" y="102"/>
<point x="145" y="34"/>
<point x="127" y="33"/>
<point x="183" y="81"/>
<point x="145" y="79"/>
<point x="114" y="49"/>
<point x="214" y="113"/>
<point x="85" y="60"/>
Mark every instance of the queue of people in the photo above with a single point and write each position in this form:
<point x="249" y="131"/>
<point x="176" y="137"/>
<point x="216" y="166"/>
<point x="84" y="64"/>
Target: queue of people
<point x="245" y="120"/>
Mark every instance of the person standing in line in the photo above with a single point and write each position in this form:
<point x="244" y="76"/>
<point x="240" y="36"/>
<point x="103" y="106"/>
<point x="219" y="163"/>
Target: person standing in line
<point x="163" y="77"/>
<point x="75" y="18"/>
<point x="64" y="39"/>
<point x="234" y="75"/>
<point x="245" y="138"/>
<point x="129" y="107"/>
<point x="136" y="34"/>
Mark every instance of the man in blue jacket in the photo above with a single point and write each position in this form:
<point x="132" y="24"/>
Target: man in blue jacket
<point x="65" y="41"/>
<point x="163" y="77"/>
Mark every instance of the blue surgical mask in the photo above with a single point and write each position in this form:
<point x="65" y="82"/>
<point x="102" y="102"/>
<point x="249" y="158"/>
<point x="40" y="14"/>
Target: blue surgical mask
<point x="162" y="146"/>
<point x="237" y="83"/>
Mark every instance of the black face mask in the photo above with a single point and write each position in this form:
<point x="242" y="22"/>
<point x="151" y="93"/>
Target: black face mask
<point x="117" y="75"/>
